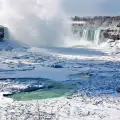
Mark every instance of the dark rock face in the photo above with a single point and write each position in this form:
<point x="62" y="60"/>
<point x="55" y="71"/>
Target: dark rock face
<point x="109" y="35"/>
<point x="7" y="95"/>
<point x="1" y="33"/>
<point x="28" y="89"/>
<point x="57" y="66"/>
<point x="118" y="90"/>
<point x="109" y="25"/>
<point x="32" y="88"/>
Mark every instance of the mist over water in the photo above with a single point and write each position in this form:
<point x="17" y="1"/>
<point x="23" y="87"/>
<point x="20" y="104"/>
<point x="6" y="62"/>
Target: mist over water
<point x="35" y="22"/>
<point x="39" y="22"/>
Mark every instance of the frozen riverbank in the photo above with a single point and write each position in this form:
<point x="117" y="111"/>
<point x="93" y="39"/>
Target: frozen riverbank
<point x="96" y="98"/>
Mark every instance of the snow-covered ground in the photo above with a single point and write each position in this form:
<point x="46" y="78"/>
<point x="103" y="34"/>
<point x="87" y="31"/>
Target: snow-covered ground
<point x="97" y="97"/>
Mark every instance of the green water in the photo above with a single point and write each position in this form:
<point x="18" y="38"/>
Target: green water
<point x="43" y="94"/>
<point x="80" y="75"/>
<point x="90" y="33"/>
<point x="90" y="36"/>
<point x="52" y="89"/>
<point x="59" y="89"/>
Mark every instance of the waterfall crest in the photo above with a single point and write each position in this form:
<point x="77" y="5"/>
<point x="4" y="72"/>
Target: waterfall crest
<point x="92" y="35"/>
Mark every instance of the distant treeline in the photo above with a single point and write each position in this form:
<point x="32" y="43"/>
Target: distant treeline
<point x="77" y="18"/>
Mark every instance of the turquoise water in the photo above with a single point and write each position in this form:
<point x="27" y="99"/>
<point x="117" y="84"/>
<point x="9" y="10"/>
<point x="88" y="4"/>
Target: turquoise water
<point x="51" y="89"/>
<point x="58" y="89"/>
<point x="90" y="36"/>
<point x="88" y="33"/>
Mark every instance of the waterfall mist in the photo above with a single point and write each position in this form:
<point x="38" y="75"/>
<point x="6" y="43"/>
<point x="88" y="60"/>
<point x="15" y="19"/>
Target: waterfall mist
<point x="35" y="22"/>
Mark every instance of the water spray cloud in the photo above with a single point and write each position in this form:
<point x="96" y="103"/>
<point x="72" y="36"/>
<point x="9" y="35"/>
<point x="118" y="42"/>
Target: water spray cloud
<point x="38" y="22"/>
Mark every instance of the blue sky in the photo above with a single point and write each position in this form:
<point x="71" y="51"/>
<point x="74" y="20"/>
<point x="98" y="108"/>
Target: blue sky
<point x="92" y="7"/>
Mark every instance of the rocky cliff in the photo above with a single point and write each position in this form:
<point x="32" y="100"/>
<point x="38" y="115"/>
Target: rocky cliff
<point x="107" y="26"/>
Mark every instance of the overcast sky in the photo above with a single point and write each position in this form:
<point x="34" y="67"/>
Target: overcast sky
<point x="92" y="7"/>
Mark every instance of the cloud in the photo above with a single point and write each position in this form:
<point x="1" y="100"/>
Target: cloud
<point x="91" y="7"/>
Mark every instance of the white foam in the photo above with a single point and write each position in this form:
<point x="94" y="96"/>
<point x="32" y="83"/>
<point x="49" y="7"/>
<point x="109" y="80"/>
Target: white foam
<point x="35" y="22"/>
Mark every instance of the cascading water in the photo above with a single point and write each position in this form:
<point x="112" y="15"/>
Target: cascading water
<point x="35" y="22"/>
<point x="97" y="36"/>
<point x="92" y="35"/>
<point x="85" y="33"/>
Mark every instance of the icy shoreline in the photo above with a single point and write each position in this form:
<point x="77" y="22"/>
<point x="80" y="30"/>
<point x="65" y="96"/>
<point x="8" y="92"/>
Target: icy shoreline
<point x="97" y="98"/>
<point x="78" y="107"/>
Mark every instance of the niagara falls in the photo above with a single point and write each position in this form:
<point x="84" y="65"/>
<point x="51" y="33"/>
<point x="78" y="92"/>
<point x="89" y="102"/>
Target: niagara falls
<point x="59" y="60"/>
